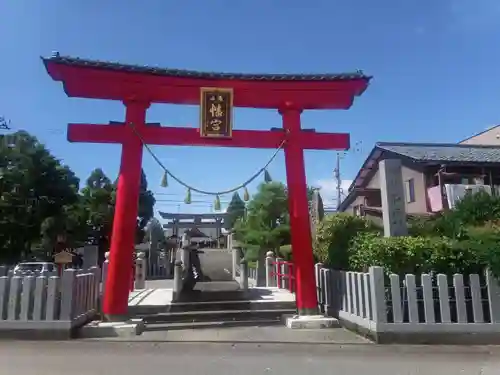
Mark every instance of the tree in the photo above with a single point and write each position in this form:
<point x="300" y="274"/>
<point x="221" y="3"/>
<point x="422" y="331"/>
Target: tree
<point x="35" y="191"/>
<point x="266" y="225"/>
<point x="235" y="210"/>
<point x="96" y="210"/>
<point x="267" y="222"/>
<point x="146" y="207"/>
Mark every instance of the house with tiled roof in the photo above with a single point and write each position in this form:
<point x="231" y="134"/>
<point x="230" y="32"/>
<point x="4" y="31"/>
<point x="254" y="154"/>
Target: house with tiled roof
<point x="435" y="176"/>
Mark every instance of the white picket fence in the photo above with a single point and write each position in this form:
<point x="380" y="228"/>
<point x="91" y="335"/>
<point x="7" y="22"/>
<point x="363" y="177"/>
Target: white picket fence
<point x="50" y="302"/>
<point x="425" y="304"/>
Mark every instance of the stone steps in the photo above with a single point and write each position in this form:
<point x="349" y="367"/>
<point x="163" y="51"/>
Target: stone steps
<point x="180" y="326"/>
<point x="217" y="316"/>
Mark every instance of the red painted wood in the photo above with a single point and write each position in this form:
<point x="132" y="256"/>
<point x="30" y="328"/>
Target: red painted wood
<point x="87" y="82"/>
<point x="177" y="136"/>
<point x="300" y="228"/>
<point x="136" y="88"/>
<point x="125" y="219"/>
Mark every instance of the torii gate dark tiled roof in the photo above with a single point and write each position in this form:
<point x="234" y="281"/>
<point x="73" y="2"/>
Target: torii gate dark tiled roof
<point x="109" y="65"/>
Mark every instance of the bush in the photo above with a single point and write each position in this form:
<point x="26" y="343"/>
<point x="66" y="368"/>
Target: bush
<point x="333" y="237"/>
<point x="442" y="224"/>
<point x="415" y="255"/>
<point x="396" y="254"/>
<point x="285" y="252"/>
<point x="251" y="253"/>
<point x="476" y="209"/>
<point x="485" y="241"/>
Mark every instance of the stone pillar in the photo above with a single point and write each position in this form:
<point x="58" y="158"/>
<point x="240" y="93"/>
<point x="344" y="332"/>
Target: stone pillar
<point x="105" y="267"/>
<point x="185" y="243"/>
<point x="140" y="271"/>
<point x="244" y="274"/>
<point x="393" y="198"/>
<point x="270" y="270"/>
<point x="236" y="258"/>
<point x="177" y="280"/>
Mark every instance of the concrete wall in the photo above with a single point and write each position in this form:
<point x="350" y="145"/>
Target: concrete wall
<point x="416" y="207"/>
<point x="489" y="137"/>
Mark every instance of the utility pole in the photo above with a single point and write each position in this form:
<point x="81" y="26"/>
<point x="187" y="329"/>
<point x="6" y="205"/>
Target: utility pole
<point x="336" y="172"/>
<point x="336" y="175"/>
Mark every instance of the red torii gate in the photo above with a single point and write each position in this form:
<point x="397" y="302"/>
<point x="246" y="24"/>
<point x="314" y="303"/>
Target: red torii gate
<point x="137" y="87"/>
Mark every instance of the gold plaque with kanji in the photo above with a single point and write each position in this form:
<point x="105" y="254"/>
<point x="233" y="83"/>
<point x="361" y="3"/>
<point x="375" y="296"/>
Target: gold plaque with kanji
<point x="216" y="109"/>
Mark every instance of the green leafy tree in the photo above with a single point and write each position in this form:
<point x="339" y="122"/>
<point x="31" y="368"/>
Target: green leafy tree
<point x="235" y="210"/>
<point x="36" y="190"/>
<point x="146" y="207"/>
<point x="97" y="209"/>
<point x="266" y="225"/>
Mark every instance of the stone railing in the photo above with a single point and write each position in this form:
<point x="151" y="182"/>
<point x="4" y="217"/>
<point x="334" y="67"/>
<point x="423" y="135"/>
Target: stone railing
<point x="424" y="309"/>
<point x="49" y="302"/>
<point x="278" y="272"/>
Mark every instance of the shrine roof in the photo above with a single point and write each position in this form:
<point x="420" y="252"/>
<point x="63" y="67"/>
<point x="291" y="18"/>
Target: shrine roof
<point x="181" y="73"/>
<point x="106" y="80"/>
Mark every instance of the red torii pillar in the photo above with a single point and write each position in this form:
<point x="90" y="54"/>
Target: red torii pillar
<point x="122" y="244"/>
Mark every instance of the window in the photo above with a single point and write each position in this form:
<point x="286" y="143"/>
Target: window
<point x="410" y="190"/>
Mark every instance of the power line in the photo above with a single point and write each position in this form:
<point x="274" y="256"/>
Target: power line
<point x="337" y="175"/>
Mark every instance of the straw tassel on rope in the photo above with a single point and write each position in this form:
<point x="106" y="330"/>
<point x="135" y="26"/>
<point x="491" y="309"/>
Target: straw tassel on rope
<point x="164" y="180"/>
<point x="217" y="203"/>
<point x="188" y="197"/>
<point x="267" y="176"/>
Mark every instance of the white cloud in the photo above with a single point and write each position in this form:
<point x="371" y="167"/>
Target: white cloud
<point x="328" y="190"/>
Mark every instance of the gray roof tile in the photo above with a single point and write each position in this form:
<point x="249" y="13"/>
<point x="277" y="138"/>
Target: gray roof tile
<point x="444" y="152"/>
<point x="67" y="60"/>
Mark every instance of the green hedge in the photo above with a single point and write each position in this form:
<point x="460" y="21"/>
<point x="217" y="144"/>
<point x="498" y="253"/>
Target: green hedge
<point x="334" y="235"/>
<point x="414" y="254"/>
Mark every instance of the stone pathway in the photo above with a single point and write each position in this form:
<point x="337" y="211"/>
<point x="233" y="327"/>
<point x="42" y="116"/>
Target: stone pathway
<point x="251" y="334"/>
<point x="163" y="297"/>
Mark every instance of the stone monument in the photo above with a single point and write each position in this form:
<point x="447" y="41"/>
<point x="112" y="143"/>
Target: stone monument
<point x="393" y="201"/>
<point x="316" y="212"/>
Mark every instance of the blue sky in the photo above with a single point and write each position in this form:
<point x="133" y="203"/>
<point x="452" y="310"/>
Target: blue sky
<point x="434" y="65"/>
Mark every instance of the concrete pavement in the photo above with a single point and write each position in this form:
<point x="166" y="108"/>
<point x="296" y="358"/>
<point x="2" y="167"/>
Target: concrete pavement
<point x="96" y="358"/>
